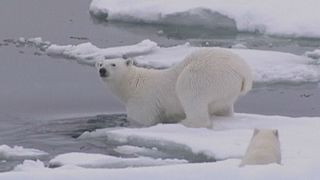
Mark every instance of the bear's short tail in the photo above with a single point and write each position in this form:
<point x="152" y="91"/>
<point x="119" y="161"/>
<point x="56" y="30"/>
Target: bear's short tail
<point x="246" y="85"/>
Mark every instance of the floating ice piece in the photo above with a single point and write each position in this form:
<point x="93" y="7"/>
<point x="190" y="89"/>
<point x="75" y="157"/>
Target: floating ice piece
<point x="29" y="165"/>
<point x="36" y="41"/>
<point x="267" y="66"/>
<point x="301" y="18"/>
<point x="18" y="152"/>
<point x="105" y="161"/>
<point x="315" y="54"/>
<point x="87" y="53"/>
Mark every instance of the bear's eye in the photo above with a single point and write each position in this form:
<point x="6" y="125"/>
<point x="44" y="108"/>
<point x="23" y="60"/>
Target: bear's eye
<point x="113" y="65"/>
<point x="100" y="65"/>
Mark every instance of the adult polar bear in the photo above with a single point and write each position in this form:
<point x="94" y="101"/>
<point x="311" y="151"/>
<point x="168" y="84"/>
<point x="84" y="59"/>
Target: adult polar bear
<point x="206" y="83"/>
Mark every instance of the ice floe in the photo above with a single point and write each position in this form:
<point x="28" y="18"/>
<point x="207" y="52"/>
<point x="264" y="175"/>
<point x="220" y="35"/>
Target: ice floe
<point x="267" y="66"/>
<point x="105" y="161"/>
<point x="206" y="171"/>
<point x="315" y="54"/>
<point x="285" y="18"/>
<point x="299" y="138"/>
<point x="19" y="152"/>
<point x="87" y="53"/>
<point x="229" y="139"/>
<point x="28" y="165"/>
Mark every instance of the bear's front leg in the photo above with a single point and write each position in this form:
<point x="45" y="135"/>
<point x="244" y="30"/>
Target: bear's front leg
<point x="141" y="114"/>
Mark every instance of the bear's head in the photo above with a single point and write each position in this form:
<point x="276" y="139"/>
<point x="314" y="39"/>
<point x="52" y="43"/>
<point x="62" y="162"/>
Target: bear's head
<point x="113" y="69"/>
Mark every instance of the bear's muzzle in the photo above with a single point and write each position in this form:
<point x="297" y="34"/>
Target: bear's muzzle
<point x="103" y="72"/>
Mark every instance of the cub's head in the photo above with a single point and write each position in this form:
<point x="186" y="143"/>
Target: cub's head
<point x="114" y="68"/>
<point x="266" y="133"/>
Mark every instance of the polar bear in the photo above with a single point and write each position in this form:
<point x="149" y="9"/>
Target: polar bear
<point x="264" y="148"/>
<point x="206" y="83"/>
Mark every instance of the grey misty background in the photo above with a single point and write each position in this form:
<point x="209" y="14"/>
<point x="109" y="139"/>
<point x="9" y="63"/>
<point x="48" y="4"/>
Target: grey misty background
<point x="36" y="89"/>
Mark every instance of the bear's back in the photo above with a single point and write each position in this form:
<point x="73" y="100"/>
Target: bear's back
<point x="217" y="57"/>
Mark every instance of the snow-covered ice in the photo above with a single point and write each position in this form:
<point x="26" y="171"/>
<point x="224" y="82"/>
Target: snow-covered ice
<point x="229" y="139"/>
<point x="281" y="18"/>
<point x="206" y="171"/>
<point x="141" y="151"/>
<point x="36" y="41"/>
<point x="239" y="46"/>
<point x="268" y="66"/>
<point x="28" y="165"/>
<point x="19" y="152"/>
<point x="299" y="138"/>
<point x="105" y="161"/>
<point x="87" y="53"/>
<point x="315" y="54"/>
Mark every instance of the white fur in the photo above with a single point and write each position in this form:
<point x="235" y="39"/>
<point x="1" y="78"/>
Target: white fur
<point x="264" y="148"/>
<point x="205" y="84"/>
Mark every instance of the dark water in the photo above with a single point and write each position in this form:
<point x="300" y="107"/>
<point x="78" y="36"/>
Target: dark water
<point x="45" y="103"/>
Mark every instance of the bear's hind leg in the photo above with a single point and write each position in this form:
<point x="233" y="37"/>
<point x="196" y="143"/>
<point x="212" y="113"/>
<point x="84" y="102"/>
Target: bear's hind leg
<point x="222" y="107"/>
<point x="226" y="111"/>
<point x="197" y="115"/>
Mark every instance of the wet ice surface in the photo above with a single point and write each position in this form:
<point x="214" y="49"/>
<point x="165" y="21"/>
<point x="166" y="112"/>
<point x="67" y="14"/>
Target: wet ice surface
<point x="59" y="136"/>
<point x="47" y="103"/>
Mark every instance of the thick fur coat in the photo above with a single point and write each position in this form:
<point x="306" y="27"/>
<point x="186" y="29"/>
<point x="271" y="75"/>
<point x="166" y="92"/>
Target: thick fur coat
<point x="206" y="83"/>
<point x="264" y="148"/>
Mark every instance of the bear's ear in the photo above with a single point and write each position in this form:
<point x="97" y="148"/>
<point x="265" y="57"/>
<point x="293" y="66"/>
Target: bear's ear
<point x="275" y="132"/>
<point x="256" y="131"/>
<point x="129" y="62"/>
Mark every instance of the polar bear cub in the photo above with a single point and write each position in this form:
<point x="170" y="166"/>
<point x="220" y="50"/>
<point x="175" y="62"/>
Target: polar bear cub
<point x="264" y="148"/>
<point x="206" y="83"/>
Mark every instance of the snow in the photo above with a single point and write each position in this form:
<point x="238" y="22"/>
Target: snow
<point x="281" y="18"/>
<point x="229" y="139"/>
<point x="299" y="138"/>
<point x="19" y="152"/>
<point x="239" y="46"/>
<point x="37" y="42"/>
<point x="141" y="151"/>
<point x="184" y="141"/>
<point x="267" y="66"/>
<point x="105" y="161"/>
<point x="29" y="165"/>
<point x="315" y="54"/>
<point x="87" y="53"/>
<point x="221" y="170"/>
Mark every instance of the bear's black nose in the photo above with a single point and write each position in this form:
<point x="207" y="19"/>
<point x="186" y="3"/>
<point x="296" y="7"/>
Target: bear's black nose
<point x="103" y="72"/>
